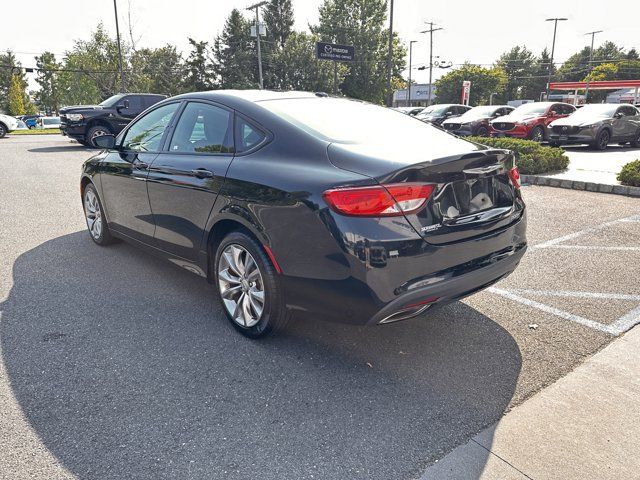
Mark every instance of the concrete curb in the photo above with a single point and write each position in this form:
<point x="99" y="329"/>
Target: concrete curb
<point x="578" y="185"/>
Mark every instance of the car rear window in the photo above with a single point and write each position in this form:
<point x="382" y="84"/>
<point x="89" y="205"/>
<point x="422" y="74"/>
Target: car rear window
<point x="348" y="121"/>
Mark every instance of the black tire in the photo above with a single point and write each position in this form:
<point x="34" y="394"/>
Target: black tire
<point x="482" y="132"/>
<point x="602" y="140"/>
<point x="274" y="314"/>
<point x="84" y="143"/>
<point x="104" y="237"/>
<point x="94" y="132"/>
<point x="537" y="134"/>
<point x="3" y="130"/>
<point x="636" y="142"/>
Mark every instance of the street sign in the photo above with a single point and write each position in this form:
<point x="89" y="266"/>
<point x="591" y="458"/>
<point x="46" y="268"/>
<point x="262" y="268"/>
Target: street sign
<point x="331" y="51"/>
<point x="263" y="30"/>
<point x="466" y="92"/>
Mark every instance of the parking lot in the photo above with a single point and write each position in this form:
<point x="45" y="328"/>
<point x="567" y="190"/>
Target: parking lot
<point x="115" y="364"/>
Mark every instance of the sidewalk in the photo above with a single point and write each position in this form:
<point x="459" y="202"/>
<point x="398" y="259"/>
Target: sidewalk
<point x="584" y="426"/>
<point x="588" y="165"/>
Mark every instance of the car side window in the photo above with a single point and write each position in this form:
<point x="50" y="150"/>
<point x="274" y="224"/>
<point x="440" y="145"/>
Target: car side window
<point x="247" y="135"/>
<point x="135" y="103"/>
<point x="146" y="133"/>
<point x="627" y="111"/>
<point x="203" y="128"/>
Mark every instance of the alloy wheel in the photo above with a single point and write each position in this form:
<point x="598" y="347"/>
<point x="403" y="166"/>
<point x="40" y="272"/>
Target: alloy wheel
<point x="96" y="134"/>
<point x="538" y="135"/>
<point x="241" y="285"/>
<point x="604" y="140"/>
<point x="92" y="213"/>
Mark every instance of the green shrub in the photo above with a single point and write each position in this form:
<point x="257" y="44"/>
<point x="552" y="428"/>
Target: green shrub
<point x="630" y="174"/>
<point x="531" y="157"/>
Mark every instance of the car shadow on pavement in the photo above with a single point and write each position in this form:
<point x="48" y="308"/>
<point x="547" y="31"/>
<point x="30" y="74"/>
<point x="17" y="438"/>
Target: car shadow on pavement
<point x="126" y="367"/>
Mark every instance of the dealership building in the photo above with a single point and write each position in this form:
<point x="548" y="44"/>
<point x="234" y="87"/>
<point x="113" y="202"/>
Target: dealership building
<point x="419" y="96"/>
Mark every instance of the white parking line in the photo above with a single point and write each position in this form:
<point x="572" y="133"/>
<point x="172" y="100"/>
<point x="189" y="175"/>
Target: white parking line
<point x="555" y="311"/>
<point x="621" y="325"/>
<point x="596" y="228"/>
<point x="594" y="247"/>
<point x="560" y="293"/>
<point x="628" y="321"/>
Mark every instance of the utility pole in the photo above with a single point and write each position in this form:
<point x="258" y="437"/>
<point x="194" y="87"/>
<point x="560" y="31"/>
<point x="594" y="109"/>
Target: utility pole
<point x="430" y="32"/>
<point x="586" y="90"/>
<point x="124" y="86"/>
<point x="553" y="47"/>
<point x="409" y="86"/>
<point x="390" y="59"/>
<point x="256" y="7"/>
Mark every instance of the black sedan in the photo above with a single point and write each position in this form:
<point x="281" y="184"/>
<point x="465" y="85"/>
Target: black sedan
<point x="436" y="114"/>
<point x="298" y="203"/>
<point x="476" y="120"/>
<point x="598" y="125"/>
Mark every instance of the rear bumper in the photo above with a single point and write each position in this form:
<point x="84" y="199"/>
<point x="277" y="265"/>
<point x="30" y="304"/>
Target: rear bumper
<point x="367" y="279"/>
<point x="455" y="287"/>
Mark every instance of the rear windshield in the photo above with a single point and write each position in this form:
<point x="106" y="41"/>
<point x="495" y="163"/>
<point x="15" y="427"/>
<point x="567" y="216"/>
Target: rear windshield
<point x="348" y="121"/>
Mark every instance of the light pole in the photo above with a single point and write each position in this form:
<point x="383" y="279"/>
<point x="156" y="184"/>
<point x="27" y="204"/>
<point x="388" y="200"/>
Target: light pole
<point x="256" y="7"/>
<point x="491" y="97"/>
<point x="586" y="90"/>
<point x="409" y="86"/>
<point x="390" y="59"/>
<point x="124" y="86"/>
<point x="430" y="32"/>
<point x="553" y="47"/>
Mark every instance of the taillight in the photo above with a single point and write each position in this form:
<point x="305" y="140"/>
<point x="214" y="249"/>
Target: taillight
<point x="379" y="201"/>
<point x="514" y="175"/>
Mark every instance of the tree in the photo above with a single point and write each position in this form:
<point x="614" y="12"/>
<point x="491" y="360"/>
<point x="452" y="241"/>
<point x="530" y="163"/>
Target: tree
<point x="278" y="18"/>
<point x="234" y="53"/>
<point x="484" y="82"/>
<point x="632" y="55"/>
<point x="199" y="68"/>
<point x="15" y="100"/>
<point x="517" y="64"/>
<point x="48" y="96"/>
<point x="91" y="69"/>
<point x="9" y="67"/>
<point x="300" y="70"/>
<point x="361" y="23"/>
<point x="159" y="70"/>
<point x="537" y="82"/>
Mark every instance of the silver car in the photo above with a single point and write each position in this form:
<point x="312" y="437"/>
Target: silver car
<point x="598" y="125"/>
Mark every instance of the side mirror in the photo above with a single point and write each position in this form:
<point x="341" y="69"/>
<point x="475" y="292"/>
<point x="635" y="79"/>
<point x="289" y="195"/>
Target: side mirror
<point x="105" y="141"/>
<point x="618" y="115"/>
<point x="448" y="114"/>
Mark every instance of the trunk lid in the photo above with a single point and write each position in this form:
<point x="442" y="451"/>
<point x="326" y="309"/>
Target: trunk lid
<point x="474" y="194"/>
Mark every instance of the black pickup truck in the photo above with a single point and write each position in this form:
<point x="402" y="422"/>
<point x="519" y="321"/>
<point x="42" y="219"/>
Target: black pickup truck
<point x="86" y="122"/>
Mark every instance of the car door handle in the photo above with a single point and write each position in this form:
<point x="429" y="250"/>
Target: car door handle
<point x="202" y="173"/>
<point x="138" y="165"/>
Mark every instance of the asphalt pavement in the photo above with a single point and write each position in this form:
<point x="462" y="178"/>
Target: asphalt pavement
<point x="115" y="364"/>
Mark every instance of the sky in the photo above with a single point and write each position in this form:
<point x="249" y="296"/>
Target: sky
<point x="473" y="31"/>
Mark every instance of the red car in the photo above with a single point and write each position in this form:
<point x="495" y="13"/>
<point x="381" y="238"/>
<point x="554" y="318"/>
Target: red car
<point x="530" y="120"/>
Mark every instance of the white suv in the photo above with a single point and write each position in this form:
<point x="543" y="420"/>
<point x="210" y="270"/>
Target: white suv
<point x="7" y="124"/>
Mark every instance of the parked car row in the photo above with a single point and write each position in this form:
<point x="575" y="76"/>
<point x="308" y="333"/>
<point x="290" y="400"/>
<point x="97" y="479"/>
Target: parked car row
<point x="559" y="123"/>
